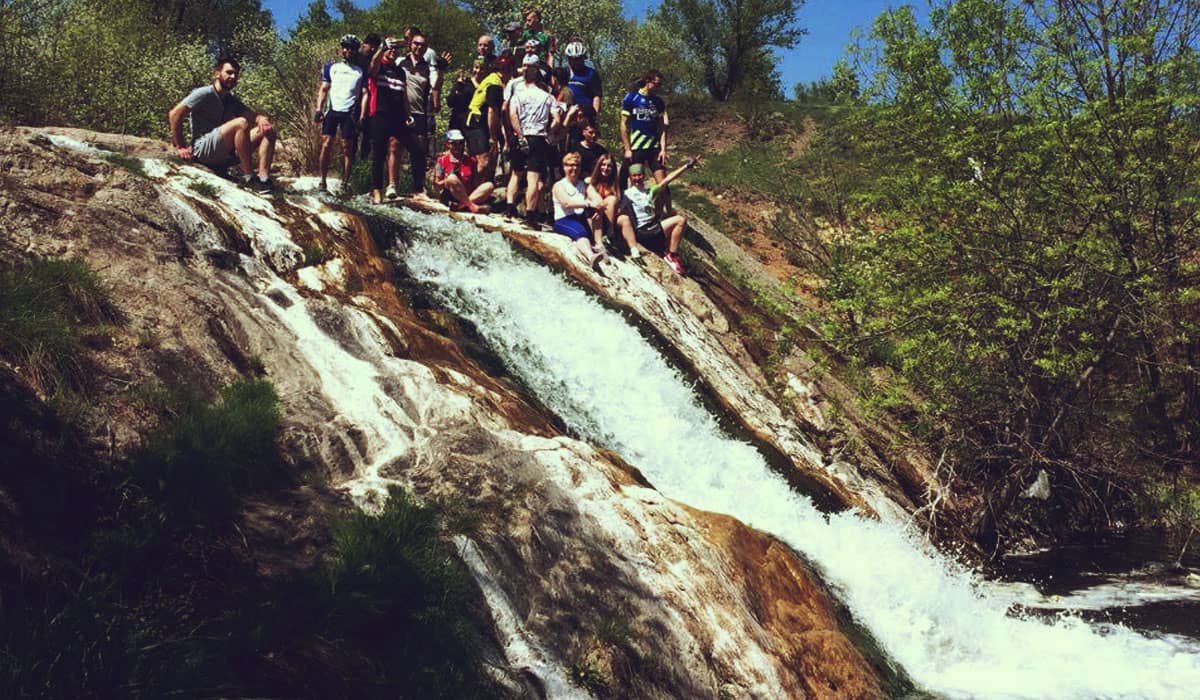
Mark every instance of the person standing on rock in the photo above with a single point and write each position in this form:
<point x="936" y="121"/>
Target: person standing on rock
<point x="224" y="130"/>
<point x="387" y="105"/>
<point x="366" y="52"/>
<point x="532" y="115"/>
<point x="342" y="84"/>
<point x="644" y="125"/>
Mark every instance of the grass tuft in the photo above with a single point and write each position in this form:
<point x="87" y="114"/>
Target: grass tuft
<point x="47" y="311"/>
<point x="133" y="165"/>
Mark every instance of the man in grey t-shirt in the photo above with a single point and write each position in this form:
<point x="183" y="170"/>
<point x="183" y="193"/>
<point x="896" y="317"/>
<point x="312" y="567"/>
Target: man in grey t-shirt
<point x="224" y="130"/>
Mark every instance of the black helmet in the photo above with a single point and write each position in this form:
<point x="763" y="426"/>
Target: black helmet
<point x="349" y="41"/>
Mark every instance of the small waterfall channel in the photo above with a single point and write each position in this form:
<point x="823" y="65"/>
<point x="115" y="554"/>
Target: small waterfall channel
<point x="952" y="632"/>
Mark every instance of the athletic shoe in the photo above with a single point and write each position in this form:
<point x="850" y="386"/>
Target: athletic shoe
<point x="674" y="261"/>
<point x="323" y="188"/>
<point x="390" y="192"/>
<point x="261" y="185"/>
<point x="635" y="255"/>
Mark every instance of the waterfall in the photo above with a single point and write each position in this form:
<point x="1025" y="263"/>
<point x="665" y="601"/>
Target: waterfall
<point x="611" y="388"/>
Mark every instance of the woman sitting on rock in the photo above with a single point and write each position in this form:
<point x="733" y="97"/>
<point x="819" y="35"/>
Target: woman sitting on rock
<point x="603" y="187"/>
<point x="575" y="212"/>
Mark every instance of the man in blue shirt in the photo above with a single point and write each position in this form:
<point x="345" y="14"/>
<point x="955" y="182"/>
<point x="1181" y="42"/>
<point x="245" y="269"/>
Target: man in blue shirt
<point x="584" y="82"/>
<point x="644" y="125"/>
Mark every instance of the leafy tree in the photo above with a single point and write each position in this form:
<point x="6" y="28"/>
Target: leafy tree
<point x="1032" y="264"/>
<point x="731" y="39"/>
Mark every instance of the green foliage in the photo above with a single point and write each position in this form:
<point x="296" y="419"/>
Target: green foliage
<point x="732" y="40"/>
<point x="47" y="311"/>
<point x="115" y="66"/>
<point x="641" y="46"/>
<point x="133" y="165"/>
<point x="1030" y="264"/>
<point x="393" y="582"/>
<point x="204" y="189"/>
<point x="198" y="465"/>
<point x="1174" y="506"/>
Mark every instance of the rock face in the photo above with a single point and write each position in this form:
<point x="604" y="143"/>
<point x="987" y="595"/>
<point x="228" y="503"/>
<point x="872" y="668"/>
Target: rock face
<point x="597" y="584"/>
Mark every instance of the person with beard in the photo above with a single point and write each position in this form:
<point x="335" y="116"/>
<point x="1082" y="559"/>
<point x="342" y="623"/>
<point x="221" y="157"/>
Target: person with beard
<point x="224" y="129"/>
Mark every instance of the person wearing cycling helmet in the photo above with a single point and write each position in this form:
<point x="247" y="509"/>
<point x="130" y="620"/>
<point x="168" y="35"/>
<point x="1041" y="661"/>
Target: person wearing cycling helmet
<point x="584" y="82"/>
<point x="342" y="89"/>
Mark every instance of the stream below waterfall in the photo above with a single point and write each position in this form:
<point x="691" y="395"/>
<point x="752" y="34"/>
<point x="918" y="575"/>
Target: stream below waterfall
<point x="954" y="634"/>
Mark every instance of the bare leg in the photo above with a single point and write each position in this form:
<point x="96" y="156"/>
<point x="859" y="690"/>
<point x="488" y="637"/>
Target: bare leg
<point x="514" y="187"/>
<point x="457" y="190"/>
<point x="265" y="144"/>
<point x="673" y="227"/>
<point x="393" y="162"/>
<point x="347" y="161"/>
<point x="533" y="191"/>
<point x="483" y="192"/>
<point x="323" y="160"/>
<point x="627" y="232"/>
<point x="235" y="137"/>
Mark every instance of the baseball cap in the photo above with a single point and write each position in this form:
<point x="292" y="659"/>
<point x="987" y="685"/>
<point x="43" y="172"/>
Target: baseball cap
<point x="532" y="44"/>
<point x="513" y="27"/>
<point x="637" y="169"/>
<point x="455" y="135"/>
<point x="530" y="59"/>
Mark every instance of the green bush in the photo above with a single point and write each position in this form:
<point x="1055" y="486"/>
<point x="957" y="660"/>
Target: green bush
<point x="197" y="465"/>
<point x="396" y="586"/>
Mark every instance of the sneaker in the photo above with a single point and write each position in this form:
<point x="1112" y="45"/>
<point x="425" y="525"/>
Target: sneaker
<point x="390" y="192"/>
<point x="323" y="188"/>
<point x="635" y="255"/>
<point x="674" y="261"/>
<point x="261" y="185"/>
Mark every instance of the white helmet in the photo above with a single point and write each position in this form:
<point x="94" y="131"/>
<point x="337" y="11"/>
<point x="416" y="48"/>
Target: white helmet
<point x="575" y="50"/>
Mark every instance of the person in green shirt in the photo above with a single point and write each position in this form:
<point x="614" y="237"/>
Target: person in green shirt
<point x="535" y="30"/>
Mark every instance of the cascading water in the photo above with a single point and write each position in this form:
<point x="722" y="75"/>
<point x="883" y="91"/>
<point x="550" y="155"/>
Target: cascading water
<point x="593" y="369"/>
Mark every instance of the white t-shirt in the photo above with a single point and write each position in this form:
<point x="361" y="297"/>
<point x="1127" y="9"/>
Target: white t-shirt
<point x="561" y="211"/>
<point x="532" y="105"/>
<point x="643" y="204"/>
<point x="345" y="84"/>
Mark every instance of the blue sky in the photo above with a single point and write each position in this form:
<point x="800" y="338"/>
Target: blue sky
<point x="829" y="23"/>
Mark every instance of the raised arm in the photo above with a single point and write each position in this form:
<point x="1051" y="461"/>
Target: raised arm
<point x="687" y="165"/>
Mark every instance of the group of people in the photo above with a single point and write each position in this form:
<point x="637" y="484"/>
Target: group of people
<point x="517" y="118"/>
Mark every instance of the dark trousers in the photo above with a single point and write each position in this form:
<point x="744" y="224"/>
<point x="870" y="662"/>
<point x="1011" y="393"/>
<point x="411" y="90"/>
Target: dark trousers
<point x="383" y="130"/>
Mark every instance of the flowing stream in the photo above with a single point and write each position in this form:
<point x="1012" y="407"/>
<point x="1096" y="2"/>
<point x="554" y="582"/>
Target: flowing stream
<point x="953" y="635"/>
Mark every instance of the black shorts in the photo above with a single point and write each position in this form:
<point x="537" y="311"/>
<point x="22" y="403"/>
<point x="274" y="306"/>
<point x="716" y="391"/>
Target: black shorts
<point x="478" y="140"/>
<point x="538" y="158"/>
<point x="422" y="124"/>
<point x="648" y="157"/>
<point x="338" y="122"/>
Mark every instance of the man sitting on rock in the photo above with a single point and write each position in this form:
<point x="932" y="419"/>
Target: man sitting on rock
<point x="224" y="130"/>
<point x="457" y="176"/>
<point x="640" y="224"/>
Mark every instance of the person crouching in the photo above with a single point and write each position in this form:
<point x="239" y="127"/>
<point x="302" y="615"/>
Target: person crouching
<point x="456" y="174"/>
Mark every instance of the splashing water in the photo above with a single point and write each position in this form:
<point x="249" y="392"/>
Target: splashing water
<point x="597" y="373"/>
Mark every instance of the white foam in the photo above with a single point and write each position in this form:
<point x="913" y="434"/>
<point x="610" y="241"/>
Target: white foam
<point x="609" y="386"/>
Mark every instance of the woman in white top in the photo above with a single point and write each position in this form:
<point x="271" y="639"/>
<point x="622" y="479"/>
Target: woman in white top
<point x="575" y="212"/>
